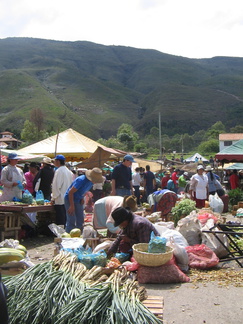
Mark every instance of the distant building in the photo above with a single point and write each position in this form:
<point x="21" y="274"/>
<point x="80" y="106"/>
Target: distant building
<point x="8" y="139"/>
<point x="226" y="140"/>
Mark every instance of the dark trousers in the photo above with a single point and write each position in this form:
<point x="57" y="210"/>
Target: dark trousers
<point x="60" y="214"/>
<point x="137" y="194"/>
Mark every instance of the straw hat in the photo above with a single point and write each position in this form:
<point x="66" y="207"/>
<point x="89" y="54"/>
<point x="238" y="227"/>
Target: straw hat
<point x="208" y="168"/>
<point x="131" y="202"/>
<point x="94" y="175"/>
<point x="46" y="160"/>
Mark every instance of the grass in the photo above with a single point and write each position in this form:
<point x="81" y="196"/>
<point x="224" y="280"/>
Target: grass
<point x="94" y="88"/>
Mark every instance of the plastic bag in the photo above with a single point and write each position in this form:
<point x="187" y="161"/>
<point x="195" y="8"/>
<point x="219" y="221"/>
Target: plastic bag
<point x="88" y="258"/>
<point x="89" y="232"/>
<point x="201" y="257"/>
<point x="103" y="246"/>
<point x="180" y="255"/>
<point x="27" y="197"/>
<point x="168" y="233"/>
<point x="39" y="198"/>
<point x="212" y="242"/>
<point x="166" y="224"/>
<point x="20" y="185"/>
<point x="204" y="217"/>
<point x="216" y="203"/>
<point x="131" y="266"/>
<point x="190" y="228"/>
<point x="157" y="244"/>
<point x="57" y="230"/>
<point x="122" y="257"/>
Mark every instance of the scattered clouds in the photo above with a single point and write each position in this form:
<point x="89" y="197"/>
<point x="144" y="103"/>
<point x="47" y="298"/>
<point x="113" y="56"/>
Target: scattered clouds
<point x="190" y="28"/>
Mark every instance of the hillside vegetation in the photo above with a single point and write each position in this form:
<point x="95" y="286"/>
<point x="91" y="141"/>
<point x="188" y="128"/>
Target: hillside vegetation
<point x="95" y="88"/>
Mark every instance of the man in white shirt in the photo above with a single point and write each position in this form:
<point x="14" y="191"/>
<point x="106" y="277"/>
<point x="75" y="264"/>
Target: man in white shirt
<point x="63" y="178"/>
<point x="136" y="181"/>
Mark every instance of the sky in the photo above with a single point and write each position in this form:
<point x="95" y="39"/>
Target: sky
<point x="189" y="28"/>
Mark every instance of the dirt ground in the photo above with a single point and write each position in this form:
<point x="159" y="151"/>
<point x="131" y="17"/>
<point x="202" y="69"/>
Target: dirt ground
<point x="212" y="297"/>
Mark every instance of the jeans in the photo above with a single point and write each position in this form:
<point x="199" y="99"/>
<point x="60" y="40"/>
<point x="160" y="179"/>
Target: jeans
<point x="123" y="192"/>
<point x="76" y="220"/>
<point x="137" y="193"/>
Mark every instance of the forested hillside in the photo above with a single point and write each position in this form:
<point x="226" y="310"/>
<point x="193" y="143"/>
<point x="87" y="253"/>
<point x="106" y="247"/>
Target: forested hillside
<point x="95" y="88"/>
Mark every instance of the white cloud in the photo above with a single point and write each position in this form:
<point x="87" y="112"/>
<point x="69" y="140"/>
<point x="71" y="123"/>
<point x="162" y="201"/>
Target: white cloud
<point x="191" y="28"/>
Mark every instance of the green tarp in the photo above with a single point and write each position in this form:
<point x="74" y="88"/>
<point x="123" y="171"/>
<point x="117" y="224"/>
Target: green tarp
<point x="235" y="166"/>
<point x="233" y="153"/>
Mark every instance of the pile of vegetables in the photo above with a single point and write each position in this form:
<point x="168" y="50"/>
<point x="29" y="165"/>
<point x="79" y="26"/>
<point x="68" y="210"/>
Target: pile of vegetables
<point x="63" y="291"/>
<point x="183" y="208"/>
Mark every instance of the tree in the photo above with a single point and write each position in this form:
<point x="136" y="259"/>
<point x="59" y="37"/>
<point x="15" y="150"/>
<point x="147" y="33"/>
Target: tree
<point x="237" y="129"/>
<point x="37" y="118"/>
<point x="29" y="133"/>
<point x="214" y="131"/>
<point x="188" y="142"/>
<point x="126" y="135"/>
<point x="211" y="146"/>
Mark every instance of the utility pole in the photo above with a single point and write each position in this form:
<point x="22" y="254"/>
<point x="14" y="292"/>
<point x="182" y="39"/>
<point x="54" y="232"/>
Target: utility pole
<point x="160" y="143"/>
<point x="182" y="147"/>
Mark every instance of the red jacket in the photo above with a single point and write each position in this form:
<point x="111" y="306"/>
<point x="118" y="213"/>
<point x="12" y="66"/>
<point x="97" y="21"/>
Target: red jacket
<point x="234" y="181"/>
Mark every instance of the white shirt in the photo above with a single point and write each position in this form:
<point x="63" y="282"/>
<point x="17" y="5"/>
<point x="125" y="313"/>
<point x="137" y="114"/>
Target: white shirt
<point x="136" y="179"/>
<point x="199" y="184"/>
<point x="63" y="178"/>
<point x="99" y="186"/>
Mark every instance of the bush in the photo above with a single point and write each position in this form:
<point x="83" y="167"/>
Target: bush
<point x="235" y="195"/>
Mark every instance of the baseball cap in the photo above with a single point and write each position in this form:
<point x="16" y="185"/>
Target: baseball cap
<point x="200" y="167"/>
<point x="60" y="157"/>
<point x="128" y="157"/>
<point x="13" y="156"/>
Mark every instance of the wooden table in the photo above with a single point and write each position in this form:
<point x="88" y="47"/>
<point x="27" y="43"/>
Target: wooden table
<point x="13" y="216"/>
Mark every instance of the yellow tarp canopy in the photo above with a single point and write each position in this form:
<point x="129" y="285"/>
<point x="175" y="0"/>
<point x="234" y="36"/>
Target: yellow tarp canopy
<point x="73" y="145"/>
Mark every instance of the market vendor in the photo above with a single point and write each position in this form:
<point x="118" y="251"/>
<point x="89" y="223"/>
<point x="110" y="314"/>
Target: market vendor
<point x="199" y="187"/>
<point x="135" y="229"/>
<point x="104" y="207"/>
<point x="162" y="200"/>
<point x="74" y="197"/>
<point x="12" y="179"/>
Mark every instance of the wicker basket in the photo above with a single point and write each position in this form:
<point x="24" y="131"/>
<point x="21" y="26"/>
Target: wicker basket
<point x="151" y="259"/>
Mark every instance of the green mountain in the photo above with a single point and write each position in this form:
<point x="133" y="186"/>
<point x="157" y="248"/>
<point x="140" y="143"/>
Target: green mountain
<point x="95" y="88"/>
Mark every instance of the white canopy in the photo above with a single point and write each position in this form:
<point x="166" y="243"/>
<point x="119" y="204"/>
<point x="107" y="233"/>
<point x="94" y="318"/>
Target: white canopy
<point x="193" y="157"/>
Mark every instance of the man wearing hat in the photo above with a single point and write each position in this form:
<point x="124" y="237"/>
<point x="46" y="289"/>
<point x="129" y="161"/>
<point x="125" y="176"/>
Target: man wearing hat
<point x="45" y="177"/>
<point x="135" y="229"/>
<point x="104" y="207"/>
<point x="12" y="179"/>
<point x="122" y="178"/>
<point x="74" y="197"/>
<point x="63" y="178"/>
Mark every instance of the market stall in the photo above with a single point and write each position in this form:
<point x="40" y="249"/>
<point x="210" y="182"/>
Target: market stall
<point x="12" y="216"/>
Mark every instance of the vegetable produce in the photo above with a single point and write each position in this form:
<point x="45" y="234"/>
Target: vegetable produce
<point x="10" y="254"/>
<point x="65" y="235"/>
<point x="21" y="248"/>
<point x="62" y="291"/>
<point x="182" y="208"/>
<point x="76" y="232"/>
